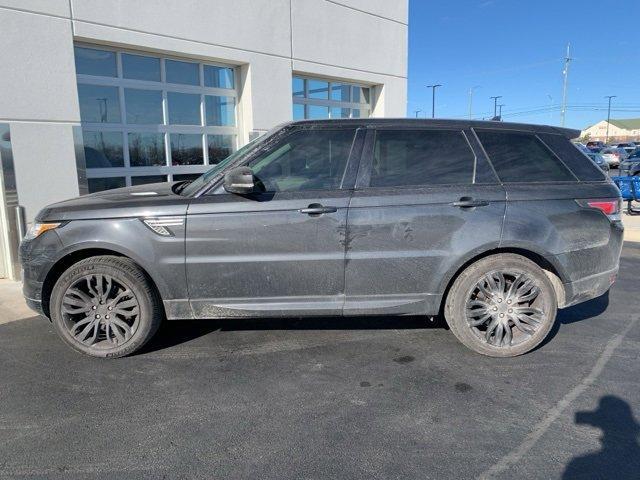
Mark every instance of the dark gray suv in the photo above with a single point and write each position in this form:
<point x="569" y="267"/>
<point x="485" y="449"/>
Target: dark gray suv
<point x="492" y="225"/>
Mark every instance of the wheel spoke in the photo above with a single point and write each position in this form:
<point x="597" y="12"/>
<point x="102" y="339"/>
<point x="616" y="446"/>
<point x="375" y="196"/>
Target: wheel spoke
<point x="123" y="325"/>
<point x="78" y="293"/>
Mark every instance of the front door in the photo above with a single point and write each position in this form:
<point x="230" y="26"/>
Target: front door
<point x="425" y="200"/>
<point x="281" y="250"/>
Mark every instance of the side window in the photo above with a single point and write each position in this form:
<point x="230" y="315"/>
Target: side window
<point x="421" y="157"/>
<point x="305" y="160"/>
<point x="520" y="157"/>
<point x="581" y="165"/>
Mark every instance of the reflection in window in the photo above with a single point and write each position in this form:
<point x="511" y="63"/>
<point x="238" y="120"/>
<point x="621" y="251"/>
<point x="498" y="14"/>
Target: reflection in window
<point x="101" y="184"/>
<point x="99" y="104"/>
<point x="103" y="149"/>
<point x="220" y="110"/>
<point x="185" y="176"/>
<point x="218" y="77"/>
<point x="146" y="149"/>
<point x="184" y="108"/>
<point x="138" y="67"/>
<point x="186" y="149"/>
<point x="90" y="61"/>
<point x="340" y="92"/>
<point x="298" y="87"/>
<point x="318" y="89"/>
<point x="148" y="179"/>
<point x="316" y="112"/>
<point x="185" y="73"/>
<point x="298" y="111"/>
<point x="219" y="147"/>
<point x="143" y="106"/>
<point x="337" y="112"/>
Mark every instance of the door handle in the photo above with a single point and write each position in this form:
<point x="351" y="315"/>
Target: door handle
<point x="468" y="202"/>
<point x="316" y="209"/>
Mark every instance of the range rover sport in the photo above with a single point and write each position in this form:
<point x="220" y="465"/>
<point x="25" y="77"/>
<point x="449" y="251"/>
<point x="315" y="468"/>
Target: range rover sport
<point x="492" y="225"/>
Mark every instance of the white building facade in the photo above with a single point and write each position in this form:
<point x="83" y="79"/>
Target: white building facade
<point x="98" y="94"/>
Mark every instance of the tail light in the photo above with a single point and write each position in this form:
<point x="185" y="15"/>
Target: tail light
<point x="610" y="207"/>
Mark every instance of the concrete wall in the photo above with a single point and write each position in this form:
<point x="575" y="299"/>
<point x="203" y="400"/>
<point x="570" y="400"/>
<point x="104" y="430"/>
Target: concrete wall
<point x="364" y="41"/>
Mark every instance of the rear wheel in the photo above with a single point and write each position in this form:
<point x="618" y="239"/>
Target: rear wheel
<point x="503" y="305"/>
<point x="105" y="307"/>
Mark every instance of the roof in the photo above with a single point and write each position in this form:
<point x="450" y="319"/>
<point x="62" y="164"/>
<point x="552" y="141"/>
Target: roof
<point x="419" y="122"/>
<point x="626" y="123"/>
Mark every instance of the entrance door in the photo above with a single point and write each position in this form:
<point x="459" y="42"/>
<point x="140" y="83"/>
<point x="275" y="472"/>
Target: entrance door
<point x="280" y="250"/>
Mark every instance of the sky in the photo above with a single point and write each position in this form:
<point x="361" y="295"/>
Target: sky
<point x="516" y="49"/>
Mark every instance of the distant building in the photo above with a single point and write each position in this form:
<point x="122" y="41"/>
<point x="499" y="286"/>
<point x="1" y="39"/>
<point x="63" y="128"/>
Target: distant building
<point x="619" y="130"/>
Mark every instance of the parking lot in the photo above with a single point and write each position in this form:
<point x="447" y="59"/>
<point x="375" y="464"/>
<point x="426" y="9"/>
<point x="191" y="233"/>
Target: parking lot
<point x="327" y="398"/>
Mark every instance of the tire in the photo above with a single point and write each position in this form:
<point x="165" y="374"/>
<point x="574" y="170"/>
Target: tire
<point x="481" y="317"/>
<point x="105" y="307"/>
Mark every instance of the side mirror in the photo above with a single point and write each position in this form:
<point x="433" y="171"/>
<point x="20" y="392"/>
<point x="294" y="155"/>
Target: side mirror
<point x="239" y="180"/>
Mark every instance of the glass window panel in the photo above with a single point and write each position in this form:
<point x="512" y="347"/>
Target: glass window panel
<point x="337" y="112"/>
<point x="360" y="94"/>
<point x="186" y="73"/>
<point x="219" y="147"/>
<point x="316" y="112"/>
<point x="143" y="106"/>
<point x="186" y="176"/>
<point x="138" y="67"/>
<point x="520" y="157"/>
<point x="421" y="157"/>
<point x="305" y="160"/>
<point x="103" y="149"/>
<point x="220" y="110"/>
<point x="184" y="108"/>
<point x="298" y="87"/>
<point x="318" y="89"/>
<point x="298" y="111"/>
<point x="355" y="113"/>
<point x="218" y="77"/>
<point x="146" y="149"/>
<point x="186" y="149"/>
<point x="101" y="184"/>
<point x="148" y="179"/>
<point x="99" y="104"/>
<point x="90" y="61"/>
<point x="340" y="92"/>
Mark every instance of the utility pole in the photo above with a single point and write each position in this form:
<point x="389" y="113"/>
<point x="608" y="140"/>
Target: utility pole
<point x="565" y="73"/>
<point x="471" y="100"/>
<point x="606" y="138"/>
<point x="495" y="105"/>
<point x="417" y="112"/>
<point x="500" y="110"/>
<point x="433" y="98"/>
<point x="550" y="108"/>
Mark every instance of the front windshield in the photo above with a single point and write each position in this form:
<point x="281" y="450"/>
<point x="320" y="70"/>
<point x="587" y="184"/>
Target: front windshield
<point x="202" y="180"/>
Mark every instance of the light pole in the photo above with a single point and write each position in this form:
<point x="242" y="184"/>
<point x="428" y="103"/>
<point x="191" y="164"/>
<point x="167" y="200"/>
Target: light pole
<point x="495" y="105"/>
<point x="433" y="98"/>
<point x="417" y="112"/>
<point x="606" y="138"/>
<point x="500" y="110"/>
<point x="471" y="100"/>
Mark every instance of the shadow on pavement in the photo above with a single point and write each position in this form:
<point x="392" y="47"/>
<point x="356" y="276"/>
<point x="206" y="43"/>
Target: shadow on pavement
<point x="619" y="456"/>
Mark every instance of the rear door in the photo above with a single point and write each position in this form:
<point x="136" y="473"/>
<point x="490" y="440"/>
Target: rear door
<point x="425" y="200"/>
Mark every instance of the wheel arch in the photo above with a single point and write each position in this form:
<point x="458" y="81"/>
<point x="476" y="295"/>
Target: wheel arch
<point x="72" y="257"/>
<point x="553" y="271"/>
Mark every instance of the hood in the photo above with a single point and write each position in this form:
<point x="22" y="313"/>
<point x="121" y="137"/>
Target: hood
<point x="140" y="201"/>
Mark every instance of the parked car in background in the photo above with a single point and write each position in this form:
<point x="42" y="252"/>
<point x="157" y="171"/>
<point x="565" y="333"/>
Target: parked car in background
<point x="631" y="165"/>
<point x="599" y="160"/>
<point x="628" y="147"/>
<point x="614" y="155"/>
<point x="339" y="218"/>
<point x="595" y="146"/>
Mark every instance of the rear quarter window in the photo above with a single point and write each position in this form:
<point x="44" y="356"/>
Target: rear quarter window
<point x="581" y="166"/>
<point x="520" y="157"/>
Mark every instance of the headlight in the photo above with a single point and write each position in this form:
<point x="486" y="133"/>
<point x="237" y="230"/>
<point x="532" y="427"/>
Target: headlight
<point x="38" y="229"/>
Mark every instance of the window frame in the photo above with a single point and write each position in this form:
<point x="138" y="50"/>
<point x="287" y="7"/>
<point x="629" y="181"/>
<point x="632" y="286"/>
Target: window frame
<point x="306" y="101"/>
<point x="165" y="128"/>
<point x="544" y="145"/>
<point x="366" y="163"/>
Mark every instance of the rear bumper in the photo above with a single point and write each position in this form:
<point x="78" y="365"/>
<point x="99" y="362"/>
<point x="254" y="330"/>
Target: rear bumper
<point x="589" y="287"/>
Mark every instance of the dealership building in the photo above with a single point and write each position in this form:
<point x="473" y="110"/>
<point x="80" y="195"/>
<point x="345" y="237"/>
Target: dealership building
<point x="100" y="94"/>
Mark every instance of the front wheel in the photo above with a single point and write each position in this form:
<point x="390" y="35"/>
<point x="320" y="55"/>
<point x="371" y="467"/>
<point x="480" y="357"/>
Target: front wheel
<point x="503" y="305"/>
<point x="105" y="307"/>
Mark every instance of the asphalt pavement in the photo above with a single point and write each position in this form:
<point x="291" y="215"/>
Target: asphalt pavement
<point x="364" y="398"/>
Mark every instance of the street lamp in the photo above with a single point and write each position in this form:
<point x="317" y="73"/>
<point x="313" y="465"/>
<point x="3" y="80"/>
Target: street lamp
<point x="417" y="112"/>
<point x="606" y="138"/>
<point x="433" y="98"/>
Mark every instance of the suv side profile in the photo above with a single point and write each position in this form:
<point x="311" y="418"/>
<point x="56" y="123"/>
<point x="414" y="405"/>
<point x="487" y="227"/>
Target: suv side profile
<point x="493" y="225"/>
